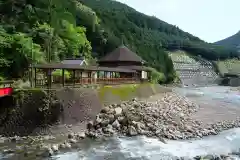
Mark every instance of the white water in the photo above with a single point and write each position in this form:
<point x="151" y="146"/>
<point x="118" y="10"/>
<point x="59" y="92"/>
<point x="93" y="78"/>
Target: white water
<point x="151" y="149"/>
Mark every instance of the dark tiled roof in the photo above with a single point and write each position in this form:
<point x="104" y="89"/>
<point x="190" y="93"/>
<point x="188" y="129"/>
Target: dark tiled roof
<point x="112" y="69"/>
<point x="73" y="61"/>
<point x="122" y="53"/>
<point x="78" y="67"/>
<point x="137" y="68"/>
<point x="81" y="58"/>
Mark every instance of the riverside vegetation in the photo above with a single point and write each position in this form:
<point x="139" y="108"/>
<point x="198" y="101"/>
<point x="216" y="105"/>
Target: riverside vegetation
<point x="50" y="30"/>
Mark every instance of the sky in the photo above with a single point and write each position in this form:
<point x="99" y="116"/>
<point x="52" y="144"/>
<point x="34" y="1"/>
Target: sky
<point x="210" y="20"/>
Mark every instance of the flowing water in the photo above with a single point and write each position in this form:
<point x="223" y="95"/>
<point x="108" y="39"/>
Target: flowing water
<point x="142" y="148"/>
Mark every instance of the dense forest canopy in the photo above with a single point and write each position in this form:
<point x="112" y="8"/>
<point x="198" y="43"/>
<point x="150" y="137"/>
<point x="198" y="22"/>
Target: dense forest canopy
<point x="38" y="32"/>
<point x="138" y="28"/>
<point x="49" y="30"/>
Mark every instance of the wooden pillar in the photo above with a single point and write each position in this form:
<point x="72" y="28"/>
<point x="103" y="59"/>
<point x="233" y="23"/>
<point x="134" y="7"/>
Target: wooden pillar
<point x="87" y="77"/>
<point x="110" y="77"/>
<point x="49" y="81"/>
<point x="81" y="77"/>
<point x="132" y="77"/>
<point x="30" y="76"/>
<point x="50" y="78"/>
<point x="63" y="77"/>
<point x="104" y="73"/>
<point x="120" y="77"/>
<point x="74" y="79"/>
<point x="90" y="76"/>
<point x="35" y="76"/>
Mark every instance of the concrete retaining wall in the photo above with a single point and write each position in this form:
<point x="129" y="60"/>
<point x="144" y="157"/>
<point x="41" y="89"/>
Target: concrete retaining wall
<point x="34" y="111"/>
<point x="193" y="70"/>
<point x="234" y="82"/>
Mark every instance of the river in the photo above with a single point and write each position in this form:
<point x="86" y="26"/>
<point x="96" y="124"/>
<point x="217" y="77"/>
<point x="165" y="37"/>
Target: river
<point x="142" y="148"/>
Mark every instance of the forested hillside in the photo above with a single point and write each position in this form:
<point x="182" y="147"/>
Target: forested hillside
<point x="49" y="30"/>
<point x="149" y="34"/>
<point x="232" y="41"/>
<point x="38" y="32"/>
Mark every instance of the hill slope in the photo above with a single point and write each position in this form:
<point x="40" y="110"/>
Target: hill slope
<point x="42" y="31"/>
<point x="143" y="32"/>
<point x="148" y="36"/>
<point x="232" y="41"/>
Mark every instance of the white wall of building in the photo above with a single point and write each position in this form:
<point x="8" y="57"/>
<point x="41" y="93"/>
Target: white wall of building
<point x="144" y="75"/>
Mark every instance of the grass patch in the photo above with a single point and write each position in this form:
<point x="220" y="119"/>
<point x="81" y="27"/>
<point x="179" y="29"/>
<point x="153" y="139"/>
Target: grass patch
<point x="228" y="66"/>
<point x="125" y="92"/>
<point x="182" y="57"/>
<point x="121" y="91"/>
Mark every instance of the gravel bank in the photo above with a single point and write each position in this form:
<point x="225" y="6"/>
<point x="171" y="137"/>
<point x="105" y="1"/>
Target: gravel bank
<point x="170" y="118"/>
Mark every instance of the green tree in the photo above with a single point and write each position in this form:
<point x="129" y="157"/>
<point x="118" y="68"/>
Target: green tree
<point x="38" y="32"/>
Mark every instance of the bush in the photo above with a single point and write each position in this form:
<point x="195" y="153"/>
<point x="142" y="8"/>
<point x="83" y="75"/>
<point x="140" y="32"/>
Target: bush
<point x="1" y="78"/>
<point x="156" y="77"/>
<point x="58" y="73"/>
<point x="177" y="78"/>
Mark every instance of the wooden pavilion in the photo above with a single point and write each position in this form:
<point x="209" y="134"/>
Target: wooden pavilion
<point x="117" y="67"/>
<point x="123" y="57"/>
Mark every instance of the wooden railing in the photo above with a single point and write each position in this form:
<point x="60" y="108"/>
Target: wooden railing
<point x="82" y="81"/>
<point x="116" y="80"/>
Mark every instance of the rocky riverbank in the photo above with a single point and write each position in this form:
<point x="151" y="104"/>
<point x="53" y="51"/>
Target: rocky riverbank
<point x="166" y="118"/>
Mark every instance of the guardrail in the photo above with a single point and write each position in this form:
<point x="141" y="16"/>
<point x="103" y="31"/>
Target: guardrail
<point x="7" y="83"/>
<point x="6" y="88"/>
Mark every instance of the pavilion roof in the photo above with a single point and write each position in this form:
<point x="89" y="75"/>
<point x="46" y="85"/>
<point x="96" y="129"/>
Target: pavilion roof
<point x="122" y="54"/>
<point x="78" y="67"/>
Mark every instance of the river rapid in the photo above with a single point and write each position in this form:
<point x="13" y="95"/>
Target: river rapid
<point x="142" y="148"/>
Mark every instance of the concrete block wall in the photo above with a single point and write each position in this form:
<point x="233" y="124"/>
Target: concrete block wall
<point x="195" y="71"/>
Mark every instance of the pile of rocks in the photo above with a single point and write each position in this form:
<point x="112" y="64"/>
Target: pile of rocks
<point x="72" y="142"/>
<point x="168" y="118"/>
